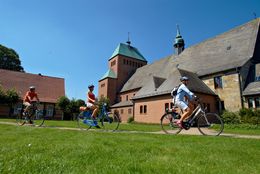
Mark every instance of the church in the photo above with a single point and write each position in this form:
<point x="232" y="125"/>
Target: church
<point x="224" y="71"/>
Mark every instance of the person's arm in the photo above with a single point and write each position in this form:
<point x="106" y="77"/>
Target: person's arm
<point x="38" y="100"/>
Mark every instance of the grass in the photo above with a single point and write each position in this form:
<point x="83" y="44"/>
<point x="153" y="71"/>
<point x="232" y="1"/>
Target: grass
<point x="246" y="129"/>
<point x="43" y="150"/>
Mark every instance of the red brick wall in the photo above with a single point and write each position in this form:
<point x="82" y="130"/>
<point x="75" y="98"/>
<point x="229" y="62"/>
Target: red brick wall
<point x="124" y="112"/>
<point x="155" y="107"/>
<point x="107" y="88"/>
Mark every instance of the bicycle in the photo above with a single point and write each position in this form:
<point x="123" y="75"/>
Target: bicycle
<point x="207" y="123"/>
<point x="33" y="116"/>
<point x="108" y="120"/>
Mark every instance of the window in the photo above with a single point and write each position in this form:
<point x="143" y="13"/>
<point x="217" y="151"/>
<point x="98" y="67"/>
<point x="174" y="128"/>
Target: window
<point x="218" y="82"/>
<point x="122" y="111"/>
<point x="124" y="62"/>
<point x="257" y="102"/>
<point x="129" y="111"/>
<point x="145" y="109"/>
<point x="208" y="107"/>
<point x="171" y="105"/>
<point x="257" y="78"/>
<point x="166" y="106"/>
<point x="250" y="102"/>
<point x="126" y="97"/>
<point x="222" y="105"/>
<point x="113" y="63"/>
<point x="103" y="85"/>
<point x="141" y="109"/>
<point x="49" y="110"/>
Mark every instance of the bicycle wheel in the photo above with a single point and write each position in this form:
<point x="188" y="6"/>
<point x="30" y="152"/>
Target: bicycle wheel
<point x="168" y="124"/>
<point x="210" y="124"/>
<point x="37" y="119"/>
<point x="83" y="122"/>
<point x="110" y="122"/>
<point x="20" y="119"/>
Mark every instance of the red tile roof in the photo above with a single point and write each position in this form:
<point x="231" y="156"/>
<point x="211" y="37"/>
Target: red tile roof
<point x="49" y="89"/>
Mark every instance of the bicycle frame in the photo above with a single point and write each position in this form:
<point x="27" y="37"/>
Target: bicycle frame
<point x="195" y="114"/>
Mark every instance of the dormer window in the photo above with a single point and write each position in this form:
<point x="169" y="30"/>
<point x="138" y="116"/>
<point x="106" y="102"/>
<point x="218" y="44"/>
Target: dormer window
<point x="218" y="82"/>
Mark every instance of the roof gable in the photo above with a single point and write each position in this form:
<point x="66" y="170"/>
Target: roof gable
<point x="129" y="51"/>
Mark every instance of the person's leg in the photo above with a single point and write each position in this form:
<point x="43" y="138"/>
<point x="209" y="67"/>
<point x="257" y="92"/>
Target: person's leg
<point x="187" y="112"/>
<point x="95" y="110"/>
<point x="27" y="106"/>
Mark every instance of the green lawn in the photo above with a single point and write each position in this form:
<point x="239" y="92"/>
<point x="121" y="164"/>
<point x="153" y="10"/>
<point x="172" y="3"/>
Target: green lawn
<point x="26" y="149"/>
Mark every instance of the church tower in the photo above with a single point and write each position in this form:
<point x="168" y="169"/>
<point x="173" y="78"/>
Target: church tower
<point x="178" y="42"/>
<point x="121" y="66"/>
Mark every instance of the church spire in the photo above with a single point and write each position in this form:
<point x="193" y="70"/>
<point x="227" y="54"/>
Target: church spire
<point x="178" y="42"/>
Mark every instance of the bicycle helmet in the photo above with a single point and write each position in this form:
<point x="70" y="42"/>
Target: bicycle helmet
<point x="32" y="87"/>
<point x="90" y="86"/>
<point x="184" y="78"/>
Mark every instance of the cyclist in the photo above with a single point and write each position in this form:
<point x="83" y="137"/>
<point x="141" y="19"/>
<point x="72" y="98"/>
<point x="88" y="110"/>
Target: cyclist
<point x="30" y="96"/>
<point x="183" y="100"/>
<point x="91" y="102"/>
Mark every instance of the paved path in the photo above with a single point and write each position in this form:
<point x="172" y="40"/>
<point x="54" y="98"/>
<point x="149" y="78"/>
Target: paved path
<point x="191" y="131"/>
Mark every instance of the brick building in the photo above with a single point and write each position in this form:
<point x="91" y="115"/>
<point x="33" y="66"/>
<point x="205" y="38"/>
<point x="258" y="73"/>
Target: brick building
<point x="224" y="72"/>
<point x="49" y="89"/>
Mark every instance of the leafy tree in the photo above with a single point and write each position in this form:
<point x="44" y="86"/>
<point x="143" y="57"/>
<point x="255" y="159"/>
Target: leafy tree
<point x="12" y="96"/>
<point x="2" y="95"/>
<point x="63" y="103"/>
<point x="9" y="59"/>
<point x="103" y="100"/>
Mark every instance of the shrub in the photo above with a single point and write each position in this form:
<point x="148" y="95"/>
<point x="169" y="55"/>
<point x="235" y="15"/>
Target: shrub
<point x="231" y="117"/>
<point x="249" y="116"/>
<point x="130" y="119"/>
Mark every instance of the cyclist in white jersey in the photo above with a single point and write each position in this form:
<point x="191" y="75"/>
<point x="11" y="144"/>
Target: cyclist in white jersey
<point x="183" y="100"/>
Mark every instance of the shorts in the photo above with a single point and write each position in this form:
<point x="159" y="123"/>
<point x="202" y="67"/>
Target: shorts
<point x="26" y="104"/>
<point x="181" y="104"/>
<point x="89" y="105"/>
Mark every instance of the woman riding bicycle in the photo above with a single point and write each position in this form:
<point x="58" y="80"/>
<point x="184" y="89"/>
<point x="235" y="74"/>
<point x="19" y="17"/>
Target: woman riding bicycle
<point x="183" y="100"/>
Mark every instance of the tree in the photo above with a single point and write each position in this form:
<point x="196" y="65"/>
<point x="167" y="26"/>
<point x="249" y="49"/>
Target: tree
<point x="12" y="98"/>
<point x="9" y="59"/>
<point x="63" y="103"/>
<point x="2" y="95"/>
<point x="74" y="106"/>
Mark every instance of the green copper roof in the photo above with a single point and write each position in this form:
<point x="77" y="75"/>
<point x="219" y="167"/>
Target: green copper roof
<point x="110" y="73"/>
<point x="129" y="51"/>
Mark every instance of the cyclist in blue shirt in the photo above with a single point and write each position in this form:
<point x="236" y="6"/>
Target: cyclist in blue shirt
<point x="183" y="100"/>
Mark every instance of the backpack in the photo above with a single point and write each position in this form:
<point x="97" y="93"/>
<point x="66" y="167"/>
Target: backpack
<point x="174" y="91"/>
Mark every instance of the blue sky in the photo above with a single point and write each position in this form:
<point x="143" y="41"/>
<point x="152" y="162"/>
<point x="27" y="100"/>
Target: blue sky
<point x="74" y="39"/>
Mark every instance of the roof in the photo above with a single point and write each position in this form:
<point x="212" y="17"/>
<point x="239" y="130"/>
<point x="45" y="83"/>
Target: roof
<point x="122" y="104"/>
<point x="252" y="88"/>
<point x="226" y="51"/>
<point x="151" y="87"/>
<point x="129" y="51"/>
<point x="223" y="52"/>
<point x="109" y="74"/>
<point x="49" y="89"/>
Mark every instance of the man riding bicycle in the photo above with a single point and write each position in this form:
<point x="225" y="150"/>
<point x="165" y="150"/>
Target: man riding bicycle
<point x="183" y="100"/>
<point x="29" y="97"/>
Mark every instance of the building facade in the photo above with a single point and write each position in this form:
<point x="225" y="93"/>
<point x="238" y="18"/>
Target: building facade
<point x="49" y="89"/>
<point x="223" y="71"/>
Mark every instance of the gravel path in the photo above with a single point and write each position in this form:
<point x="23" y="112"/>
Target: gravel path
<point x="191" y="131"/>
